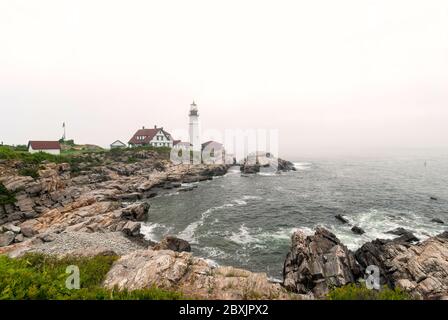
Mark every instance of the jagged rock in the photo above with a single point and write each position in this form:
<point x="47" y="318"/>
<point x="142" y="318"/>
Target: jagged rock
<point x="131" y="228"/>
<point x="6" y="238"/>
<point x="192" y="276"/>
<point x="358" y="230"/>
<point x="260" y="161"/>
<point x="341" y="219"/>
<point x="437" y="220"/>
<point x="420" y="269"/>
<point x="317" y="263"/>
<point x="174" y="244"/>
<point x="138" y="211"/>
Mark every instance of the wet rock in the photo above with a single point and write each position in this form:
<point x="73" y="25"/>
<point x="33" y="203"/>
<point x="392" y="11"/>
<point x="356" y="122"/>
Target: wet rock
<point x="341" y="219"/>
<point x="317" y="263"/>
<point x="7" y="238"/>
<point x="358" y="230"/>
<point x="405" y="235"/>
<point x="437" y="220"/>
<point x="433" y="198"/>
<point x="174" y="244"/>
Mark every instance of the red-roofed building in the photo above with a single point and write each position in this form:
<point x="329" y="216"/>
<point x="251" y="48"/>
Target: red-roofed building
<point x="52" y="147"/>
<point x="156" y="137"/>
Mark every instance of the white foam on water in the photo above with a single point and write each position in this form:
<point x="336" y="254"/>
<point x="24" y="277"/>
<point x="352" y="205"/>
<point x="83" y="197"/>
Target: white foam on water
<point x="267" y="174"/>
<point x="252" y="198"/>
<point x="171" y="194"/>
<point x="243" y="236"/>
<point x="302" y="165"/>
<point x="240" y="202"/>
<point x="189" y="232"/>
<point x="377" y="223"/>
<point x="148" y="230"/>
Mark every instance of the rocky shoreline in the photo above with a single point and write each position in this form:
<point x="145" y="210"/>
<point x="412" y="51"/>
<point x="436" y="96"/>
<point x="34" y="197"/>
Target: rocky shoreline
<point x="97" y="208"/>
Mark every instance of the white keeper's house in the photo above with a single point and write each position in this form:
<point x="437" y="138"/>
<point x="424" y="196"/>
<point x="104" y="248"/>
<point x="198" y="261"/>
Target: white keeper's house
<point x="156" y="137"/>
<point x="51" y="147"/>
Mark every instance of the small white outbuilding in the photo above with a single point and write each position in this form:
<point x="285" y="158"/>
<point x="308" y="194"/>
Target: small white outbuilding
<point x="51" y="147"/>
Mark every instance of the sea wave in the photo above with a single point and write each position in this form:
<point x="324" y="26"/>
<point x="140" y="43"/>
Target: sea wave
<point x="376" y="224"/>
<point x="302" y="165"/>
<point x="149" y="231"/>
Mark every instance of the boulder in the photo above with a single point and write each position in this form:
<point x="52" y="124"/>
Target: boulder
<point x="131" y="229"/>
<point x="437" y="220"/>
<point x="341" y="219"/>
<point x="19" y="238"/>
<point x="358" y="230"/>
<point x="174" y="244"/>
<point x="6" y="238"/>
<point x="317" y="263"/>
<point x="29" y="228"/>
<point x="405" y="235"/>
<point x="11" y="227"/>
<point x="137" y="211"/>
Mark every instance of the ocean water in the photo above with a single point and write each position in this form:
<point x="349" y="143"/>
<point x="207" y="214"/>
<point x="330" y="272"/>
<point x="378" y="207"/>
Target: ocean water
<point x="248" y="221"/>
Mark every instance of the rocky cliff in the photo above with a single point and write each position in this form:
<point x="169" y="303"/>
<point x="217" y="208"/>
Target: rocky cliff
<point x="319" y="262"/>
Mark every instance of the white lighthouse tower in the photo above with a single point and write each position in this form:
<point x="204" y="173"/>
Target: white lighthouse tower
<point x="195" y="133"/>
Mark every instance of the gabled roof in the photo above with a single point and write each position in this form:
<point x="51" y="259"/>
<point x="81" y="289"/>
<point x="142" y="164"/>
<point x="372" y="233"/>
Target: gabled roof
<point x="44" y="145"/>
<point x="149" y="134"/>
<point x="118" y="142"/>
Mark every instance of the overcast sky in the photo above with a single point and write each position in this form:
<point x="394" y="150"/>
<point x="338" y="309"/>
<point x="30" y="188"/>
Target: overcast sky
<point x="332" y="76"/>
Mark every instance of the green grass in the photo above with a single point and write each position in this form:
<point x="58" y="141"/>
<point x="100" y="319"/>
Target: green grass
<point x="361" y="292"/>
<point x="75" y="157"/>
<point x="42" y="277"/>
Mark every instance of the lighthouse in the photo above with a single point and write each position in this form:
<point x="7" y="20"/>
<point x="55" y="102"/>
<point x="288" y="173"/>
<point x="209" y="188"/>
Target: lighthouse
<point x="195" y="135"/>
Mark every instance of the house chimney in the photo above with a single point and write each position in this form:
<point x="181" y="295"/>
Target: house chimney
<point x="155" y="127"/>
<point x="143" y="127"/>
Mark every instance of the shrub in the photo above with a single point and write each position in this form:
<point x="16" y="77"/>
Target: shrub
<point x="6" y="197"/>
<point x="38" y="276"/>
<point x="361" y="292"/>
<point x="29" y="171"/>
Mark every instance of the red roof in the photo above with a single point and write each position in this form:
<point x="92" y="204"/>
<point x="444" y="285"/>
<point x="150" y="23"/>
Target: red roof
<point x="149" y="134"/>
<point x="44" y="145"/>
